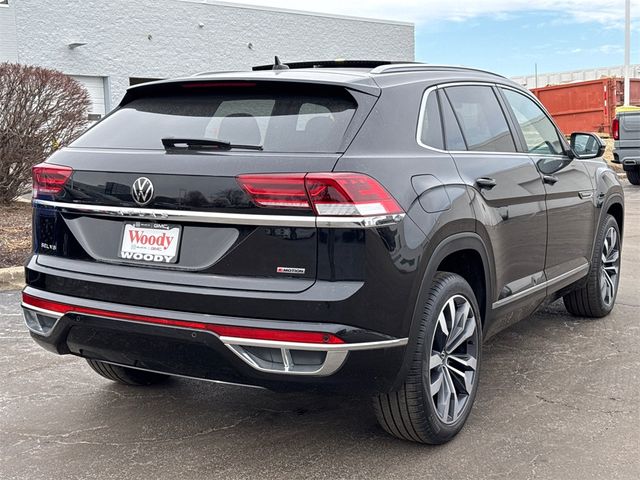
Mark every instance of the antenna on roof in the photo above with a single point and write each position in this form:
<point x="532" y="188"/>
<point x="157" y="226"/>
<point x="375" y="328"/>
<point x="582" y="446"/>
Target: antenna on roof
<point x="278" y="65"/>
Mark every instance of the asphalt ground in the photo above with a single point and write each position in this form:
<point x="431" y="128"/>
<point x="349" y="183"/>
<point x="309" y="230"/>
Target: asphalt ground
<point x="559" y="398"/>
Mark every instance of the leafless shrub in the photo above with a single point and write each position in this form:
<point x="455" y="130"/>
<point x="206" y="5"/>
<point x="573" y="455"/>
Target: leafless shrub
<point x="40" y="110"/>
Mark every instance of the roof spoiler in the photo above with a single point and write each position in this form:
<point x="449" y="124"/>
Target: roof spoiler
<point x="339" y="63"/>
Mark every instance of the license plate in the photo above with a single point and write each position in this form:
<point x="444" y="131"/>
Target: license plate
<point x="150" y="242"/>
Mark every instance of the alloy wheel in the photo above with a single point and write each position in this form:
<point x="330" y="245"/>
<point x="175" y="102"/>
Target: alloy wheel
<point x="453" y="361"/>
<point x="610" y="266"/>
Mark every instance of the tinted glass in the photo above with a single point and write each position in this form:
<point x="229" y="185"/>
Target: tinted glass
<point x="540" y="135"/>
<point x="291" y="120"/>
<point x="481" y="119"/>
<point x="431" y="134"/>
<point x="452" y="134"/>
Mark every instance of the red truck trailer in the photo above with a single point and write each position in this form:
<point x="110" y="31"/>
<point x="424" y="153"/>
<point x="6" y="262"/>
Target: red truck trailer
<point x="586" y="106"/>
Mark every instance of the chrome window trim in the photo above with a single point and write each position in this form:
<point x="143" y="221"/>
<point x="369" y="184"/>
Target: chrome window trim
<point x="311" y="221"/>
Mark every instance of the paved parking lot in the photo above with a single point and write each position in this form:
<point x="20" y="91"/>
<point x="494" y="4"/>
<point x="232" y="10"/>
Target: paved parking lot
<point x="559" y="398"/>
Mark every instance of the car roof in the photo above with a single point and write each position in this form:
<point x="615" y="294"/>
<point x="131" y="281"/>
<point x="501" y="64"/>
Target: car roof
<point x="364" y="76"/>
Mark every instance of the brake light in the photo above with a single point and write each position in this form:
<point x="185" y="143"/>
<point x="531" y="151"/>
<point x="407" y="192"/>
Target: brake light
<point x="349" y="194"/>
<point x="279" y="191"/>
<point x="327" y="194"/>
<point x="252" y="333"/>
<point x="49" y="179"/>
<point x="217" y="84"/>
<point x="615" y="129"/>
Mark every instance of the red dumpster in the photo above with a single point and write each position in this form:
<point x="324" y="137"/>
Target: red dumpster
<point x="586" y="106"/>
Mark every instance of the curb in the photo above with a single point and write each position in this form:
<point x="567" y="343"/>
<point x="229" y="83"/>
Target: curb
<point x="11" y="278"/>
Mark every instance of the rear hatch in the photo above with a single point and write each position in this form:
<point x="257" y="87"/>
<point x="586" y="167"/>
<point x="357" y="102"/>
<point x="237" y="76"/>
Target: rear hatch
<point x="152" y="191"/>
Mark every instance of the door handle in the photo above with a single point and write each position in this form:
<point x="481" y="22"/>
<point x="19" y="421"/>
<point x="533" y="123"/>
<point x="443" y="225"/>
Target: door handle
<point x="550" y="179"/>
<point x="486" y="183"/>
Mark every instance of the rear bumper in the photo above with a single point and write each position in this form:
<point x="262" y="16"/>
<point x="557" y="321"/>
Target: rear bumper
<point x="207" y="347"/>
<point x="629" y="155"/>
<point x="631" y="163"/>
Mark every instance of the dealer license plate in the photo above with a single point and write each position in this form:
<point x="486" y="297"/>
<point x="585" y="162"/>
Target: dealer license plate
<point x="150" y="242"/>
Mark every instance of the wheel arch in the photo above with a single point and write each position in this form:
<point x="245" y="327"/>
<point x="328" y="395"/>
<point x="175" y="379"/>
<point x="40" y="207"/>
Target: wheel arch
<point x="467" y="245"/>
<point x="613" y="205"/>
<point x="616" y="210"/>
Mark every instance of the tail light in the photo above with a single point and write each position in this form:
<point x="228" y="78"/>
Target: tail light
<point x="327" y="194"/>
<point x="615" y="129"/>
<point x="49" y="179"/>
<point x="276" y="191"/>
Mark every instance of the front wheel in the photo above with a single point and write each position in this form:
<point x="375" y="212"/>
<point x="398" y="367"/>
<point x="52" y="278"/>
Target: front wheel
<point x="597" y="296"/>
<point x="434" y="402"/>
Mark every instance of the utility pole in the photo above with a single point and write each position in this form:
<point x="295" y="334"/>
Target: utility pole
<point x="627" y="52"/>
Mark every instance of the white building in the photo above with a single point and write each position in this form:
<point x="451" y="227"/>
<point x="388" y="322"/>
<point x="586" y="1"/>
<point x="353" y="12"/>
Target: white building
<point x="544" y="79"/>
<point x="109" y="45"/>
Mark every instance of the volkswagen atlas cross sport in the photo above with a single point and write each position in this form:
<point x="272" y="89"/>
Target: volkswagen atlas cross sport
<point x="354" y="226"/>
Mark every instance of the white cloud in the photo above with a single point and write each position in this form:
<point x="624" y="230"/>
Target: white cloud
<point x="607" y="12"/>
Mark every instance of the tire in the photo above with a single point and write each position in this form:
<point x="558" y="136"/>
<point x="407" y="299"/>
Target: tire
<point x="590" y="300"/>
<point x="126" y="376"/>
<point x="410" y="413"/>
<point x="634" y="176"/>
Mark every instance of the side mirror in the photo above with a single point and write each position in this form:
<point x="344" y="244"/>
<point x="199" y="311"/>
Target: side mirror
<point x="586" y="145"/>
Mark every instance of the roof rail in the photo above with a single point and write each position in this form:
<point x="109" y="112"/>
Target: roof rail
<point x="340" y="63"/>
<point x="423" y="67"/>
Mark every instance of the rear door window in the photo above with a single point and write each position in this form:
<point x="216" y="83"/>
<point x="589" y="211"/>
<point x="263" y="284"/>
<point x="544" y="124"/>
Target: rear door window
<point x="481" y="118"/>
<point x="280" y="119"/>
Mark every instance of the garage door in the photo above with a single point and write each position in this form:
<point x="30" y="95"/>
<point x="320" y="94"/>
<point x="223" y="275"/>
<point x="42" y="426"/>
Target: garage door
<point x="95" y="87"/>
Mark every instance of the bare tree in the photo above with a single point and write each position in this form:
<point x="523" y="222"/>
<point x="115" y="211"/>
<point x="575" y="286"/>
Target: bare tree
<point x="40" y="111"/>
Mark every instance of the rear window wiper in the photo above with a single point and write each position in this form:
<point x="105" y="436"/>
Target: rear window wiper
<point x="203" y="144"/>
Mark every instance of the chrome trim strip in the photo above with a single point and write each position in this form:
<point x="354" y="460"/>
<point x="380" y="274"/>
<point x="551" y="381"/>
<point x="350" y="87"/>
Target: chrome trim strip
<point x="336" y="354"/>
<point x="372" y="221"/>
<point x="317" y="347"/>
<point x="517" y="296"/>
<point x="49" y="313"/>
<point x="332" y="363"/>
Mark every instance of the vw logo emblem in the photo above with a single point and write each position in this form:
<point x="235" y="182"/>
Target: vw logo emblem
<point x="142" y="191"/>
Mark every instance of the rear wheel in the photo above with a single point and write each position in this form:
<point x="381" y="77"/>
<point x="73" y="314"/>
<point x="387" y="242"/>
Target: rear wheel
<point x="598" y="294"/>
<point x="436" y="398"/>
<point x="126" y="376"/>
<point x="634" y="176"/>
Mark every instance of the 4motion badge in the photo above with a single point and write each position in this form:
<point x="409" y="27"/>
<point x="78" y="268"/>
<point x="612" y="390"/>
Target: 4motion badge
<point x="291" y="270"/>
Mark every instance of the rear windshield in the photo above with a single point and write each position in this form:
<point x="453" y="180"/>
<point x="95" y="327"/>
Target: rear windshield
<point x="295" y="119"/>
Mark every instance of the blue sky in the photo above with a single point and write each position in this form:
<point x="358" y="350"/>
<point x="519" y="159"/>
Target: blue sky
<point x="506" y="36"/>
<point x="512" y="44"/>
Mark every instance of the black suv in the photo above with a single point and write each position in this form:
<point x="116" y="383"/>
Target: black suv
<point x="358" y="226"/>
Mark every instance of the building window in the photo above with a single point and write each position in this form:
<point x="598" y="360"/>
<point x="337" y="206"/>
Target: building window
<point x="4" y="2"/>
